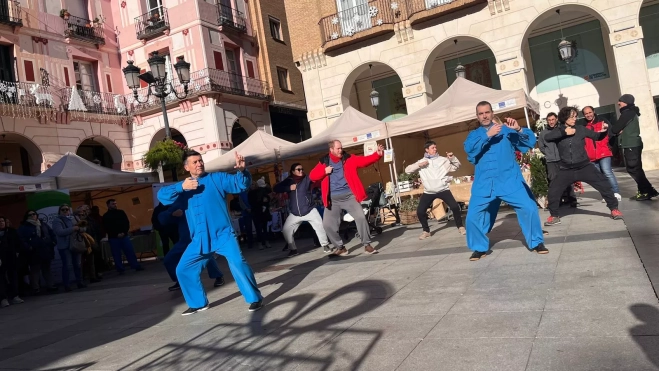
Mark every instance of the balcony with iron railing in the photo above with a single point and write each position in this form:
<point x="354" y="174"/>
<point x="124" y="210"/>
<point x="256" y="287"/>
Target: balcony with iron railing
<point x="88" y="101"/>
<point x="231" y="18"/>
<point x="84" y="30"/>
<point x="423" y="10"/>
<point x="359" y="23"/>
<point x="22" y="96"/>
<point x="10" y="13"/>
<point x="152" y="23"/>
<point x="204" y="81"/>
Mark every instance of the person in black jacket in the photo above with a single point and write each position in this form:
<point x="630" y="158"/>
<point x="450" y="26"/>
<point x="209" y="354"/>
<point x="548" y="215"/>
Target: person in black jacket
<point x="166" y="234"/>
<point x="10" y="247"/>
<point x="575" y="164"/>
<point x="301" y="208"/>
<point x="116" y="225"/>
<point x="39" y="240"/>
<point x="259" y="201"/>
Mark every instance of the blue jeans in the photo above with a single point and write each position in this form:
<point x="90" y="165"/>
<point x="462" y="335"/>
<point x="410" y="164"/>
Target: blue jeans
<point x="119" y="245"/>
<point x="604" y="167"/>
<point x="67" y="255"/>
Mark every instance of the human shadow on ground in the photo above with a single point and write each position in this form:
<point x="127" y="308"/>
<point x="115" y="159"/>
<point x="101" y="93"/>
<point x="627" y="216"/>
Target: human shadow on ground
<point x="646" y="335"/>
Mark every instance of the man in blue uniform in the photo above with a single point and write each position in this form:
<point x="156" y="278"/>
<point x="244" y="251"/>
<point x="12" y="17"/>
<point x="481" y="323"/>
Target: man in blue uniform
<point x="491" y="148"/>
<point x="203" y="198"/>
<point x="174" y="215"/>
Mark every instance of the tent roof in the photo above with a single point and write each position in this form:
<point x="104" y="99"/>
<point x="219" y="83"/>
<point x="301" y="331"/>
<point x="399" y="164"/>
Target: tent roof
<point x="351" y="128"/>
<point x="258" y="149"/>
<point x="10" y="183"/>
<point x="458" y="105"/>
<point x="77" y="174"/>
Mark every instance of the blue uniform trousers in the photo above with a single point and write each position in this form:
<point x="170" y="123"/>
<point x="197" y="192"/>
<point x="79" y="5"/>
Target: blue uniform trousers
<point x="482" y="214"/>
<point x="193" y="262"/>
<point x="174" y="256"/>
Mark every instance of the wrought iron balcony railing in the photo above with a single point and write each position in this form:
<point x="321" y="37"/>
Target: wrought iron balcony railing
<point x="83" y="29"/>
<point x="421" y="10"/>
<point x="206" y="81"/>
<point x="232" y="18"/>
<point x="93" y="102"/>
<point x="10" y="13"/>
<point x="151" y="23"/>
<point x="23" y="95"/>
<point x="373" y="16"/>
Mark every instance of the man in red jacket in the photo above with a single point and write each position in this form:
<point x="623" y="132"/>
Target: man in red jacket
<point x="599" y="151"/>
<point x="342" y="190"/>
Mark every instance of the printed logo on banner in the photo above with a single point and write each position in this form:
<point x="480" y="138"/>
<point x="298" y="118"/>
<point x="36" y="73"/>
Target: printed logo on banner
<point x="505" y="104"/>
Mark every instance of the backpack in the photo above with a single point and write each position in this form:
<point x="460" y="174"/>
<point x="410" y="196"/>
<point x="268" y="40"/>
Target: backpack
<point x="78" y="243"/>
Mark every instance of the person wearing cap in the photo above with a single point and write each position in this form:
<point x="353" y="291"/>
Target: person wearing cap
<point x="629" y="138"/>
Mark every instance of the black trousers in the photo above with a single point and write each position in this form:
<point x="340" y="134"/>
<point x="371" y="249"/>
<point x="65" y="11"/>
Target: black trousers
<point x="553" y="168"/>
<point x="588" y="174"/>
<point x="426" y="202"/>
<point x="634" y="166"/>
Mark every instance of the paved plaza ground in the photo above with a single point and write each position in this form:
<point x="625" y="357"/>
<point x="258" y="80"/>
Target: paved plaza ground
<point x="418" y="305"/>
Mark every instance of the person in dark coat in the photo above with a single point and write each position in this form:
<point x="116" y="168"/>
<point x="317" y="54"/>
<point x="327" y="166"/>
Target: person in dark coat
<point x="259" y="200"/>
<point x="166" y="234"/>
<point x="116" y="224"/>
<point x="10" y="247"/>
<point x="39" y="241"/>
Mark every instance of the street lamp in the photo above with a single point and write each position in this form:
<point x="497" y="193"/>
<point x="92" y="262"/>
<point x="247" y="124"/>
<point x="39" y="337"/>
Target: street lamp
<point x="375" y="99"/>
<point x="460" y="70"/>
<point x="567" y="50"/>
<point x="157" y="80"/>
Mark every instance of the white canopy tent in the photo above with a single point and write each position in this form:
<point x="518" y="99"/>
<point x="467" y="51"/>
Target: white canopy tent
<point x="258" y="149"/>
<point x="351" y="128"/>
<point x="10" y="183"/>
<point x="74" y="173"/>
<point x="458" y="106"/>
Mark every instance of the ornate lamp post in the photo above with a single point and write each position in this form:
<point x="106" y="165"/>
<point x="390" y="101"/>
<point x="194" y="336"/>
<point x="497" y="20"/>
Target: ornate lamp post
<point x="567" y="50"/>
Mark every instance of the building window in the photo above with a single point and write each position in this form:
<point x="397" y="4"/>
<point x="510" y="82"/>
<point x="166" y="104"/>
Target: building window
<point x="275" y="28"/>
<point x="67" y="80"/>
<point x="219" y="64"/>
<point x="650" y="23"/>
<point x="250" y="69"/>
<point x="108" y="82"/>
<point x="282" y="74"/>
<point x="29" y="70"/>
<point x="84" y="75"/>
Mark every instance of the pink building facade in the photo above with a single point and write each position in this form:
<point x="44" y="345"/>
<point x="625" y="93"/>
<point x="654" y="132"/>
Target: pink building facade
<point x="62" y="88"/>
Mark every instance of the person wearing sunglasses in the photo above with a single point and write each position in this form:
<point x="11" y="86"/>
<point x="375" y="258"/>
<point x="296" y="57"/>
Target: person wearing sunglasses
<point x="64" y="227"/>
<point x="301" y="208"/>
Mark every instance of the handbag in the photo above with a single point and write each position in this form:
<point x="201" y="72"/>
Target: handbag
<point x="78" y="243"/>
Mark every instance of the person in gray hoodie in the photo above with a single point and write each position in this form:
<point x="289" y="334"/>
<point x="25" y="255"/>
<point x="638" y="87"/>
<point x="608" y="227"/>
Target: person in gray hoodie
<point x="434" y="170"/>
<point x="553" y="159"/>
<point x="64" y="227"/>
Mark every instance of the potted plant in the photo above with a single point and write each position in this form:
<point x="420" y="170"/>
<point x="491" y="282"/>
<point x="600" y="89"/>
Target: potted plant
<point x="405" y="181"/>
<point x="407" y="211"/>
<point x="539" y="183"/>
<point x="166" y="153"/>
<point x="64" y="14"/>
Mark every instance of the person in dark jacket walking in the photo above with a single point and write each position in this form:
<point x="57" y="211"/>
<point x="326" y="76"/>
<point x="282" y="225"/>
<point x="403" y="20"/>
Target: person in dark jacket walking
<point x="259" y="201"/>
<point x="575" y="165"/>
<point x="116" y="224"/>
<point x="552" y="158"/>
<point x="166" y="234"/>
<point x="301" y="208"/>
<point x="10" y="247"/>
<point x="599" y="151"/>
<point x="39" y="240"/>
<point x="629" y="138"/>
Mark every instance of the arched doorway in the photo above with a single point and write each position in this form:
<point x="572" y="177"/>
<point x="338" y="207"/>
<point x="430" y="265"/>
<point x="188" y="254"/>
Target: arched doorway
<point x="101" y="151"/>
<point x="590" y="78"/>
<point x="473" y="54"/>
<point x="22" y="153"/>
<point x="242" y="128"/>
<point x="385" y="81"/>
<point x="648" y="19"/>
<point x="160" y="135"/>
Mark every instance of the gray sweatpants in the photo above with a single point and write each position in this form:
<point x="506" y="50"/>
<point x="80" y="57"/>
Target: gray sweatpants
<point x="332" y="219"/>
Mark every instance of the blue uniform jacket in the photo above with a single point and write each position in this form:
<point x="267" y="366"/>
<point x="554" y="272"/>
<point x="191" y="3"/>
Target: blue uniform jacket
<point x="167" y="219"/>
<point x="497" y="171"/>
<point x="206" y="208"/>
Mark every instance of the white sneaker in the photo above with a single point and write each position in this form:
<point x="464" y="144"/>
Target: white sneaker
<point x="603" y="201"/>
<point x="17" y="300"/>
<point x="618" y="197"/>
<point x="4" y="303"/>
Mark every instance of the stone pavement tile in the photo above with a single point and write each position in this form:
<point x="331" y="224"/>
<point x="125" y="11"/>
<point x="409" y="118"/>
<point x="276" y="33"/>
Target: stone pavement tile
<point x="438" y="304"/>
<point x="600" y="278"/>
<point x="598" y="264"/>
<point x="350" y="354"/>
<point x="600" y="297"/>
<point x="487" y="325"/>
<point x="602" y="242"/>
<point x="393" y="327"/>
<point x="500" y="300"/>
<point x="600" y="322"/>
<point x="434" y="283"/>
<point x="637" y="353"/>
<point x="522" y="256"/>
<point x="27" y="341"/>
<point x="460" y="260"/>
<point x="469" y="355"/>
<point x="594" y="252"/>
<point x="339" y="309"/>
<point x="42" y="326"/>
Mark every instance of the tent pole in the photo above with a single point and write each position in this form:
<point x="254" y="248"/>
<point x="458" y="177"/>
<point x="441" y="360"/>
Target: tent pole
<point x="391" y="171"/>
<point x="393" y="160"/>
<point x="526" y="114"/>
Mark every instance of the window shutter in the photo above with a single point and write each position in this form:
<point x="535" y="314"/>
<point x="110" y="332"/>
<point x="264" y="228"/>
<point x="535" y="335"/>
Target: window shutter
<point x="218" y="60"/>
<point x="250" y="69"/>
<point x="29" y="70"/>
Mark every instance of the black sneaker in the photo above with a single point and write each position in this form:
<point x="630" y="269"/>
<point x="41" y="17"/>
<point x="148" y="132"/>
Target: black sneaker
<point x="256" y="306"/>
<point x="641" y="197"/>
<point x="219" y="282"/>
<point x="552" y="220"/>
<point x="194" y="310"/>
<point x="653" y="194"/>
<point x="541" y="249"/>
<point x="174" y="287"/>
<point x="327" y="249"/>
<point x="292" y="253"/>
<point x="477" y="255"/>
<point x="285" y="248"/>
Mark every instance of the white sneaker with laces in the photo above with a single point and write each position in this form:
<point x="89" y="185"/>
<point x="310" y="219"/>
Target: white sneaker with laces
<point x="17" y="300"/>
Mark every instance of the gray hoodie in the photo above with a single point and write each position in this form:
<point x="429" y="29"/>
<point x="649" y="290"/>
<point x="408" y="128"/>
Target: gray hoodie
<point x="549" y="149"/>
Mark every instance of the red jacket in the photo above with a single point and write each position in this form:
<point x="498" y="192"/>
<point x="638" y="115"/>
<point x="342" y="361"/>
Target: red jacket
<point x="600" y="149"/>
<point x="350" y="165"/>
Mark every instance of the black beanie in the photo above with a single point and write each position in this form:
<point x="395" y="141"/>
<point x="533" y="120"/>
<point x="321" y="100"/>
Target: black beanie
<point x="627" y="98"/>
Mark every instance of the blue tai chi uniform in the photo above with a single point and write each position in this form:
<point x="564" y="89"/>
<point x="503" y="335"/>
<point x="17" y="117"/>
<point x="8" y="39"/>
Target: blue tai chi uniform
<point x="174" y="255"/>
<point x="499" y="178"/>
<point x="211" y="232"/>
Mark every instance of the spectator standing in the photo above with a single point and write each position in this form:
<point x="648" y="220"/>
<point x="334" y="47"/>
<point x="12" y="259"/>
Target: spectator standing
<point x="116" y="225"/>
<point x="10" y="246"/>
<point x="64" y="227"/>
<point x="39" y="241"/>
<point x="166" y="234"/>
<point x="259" y="200"/>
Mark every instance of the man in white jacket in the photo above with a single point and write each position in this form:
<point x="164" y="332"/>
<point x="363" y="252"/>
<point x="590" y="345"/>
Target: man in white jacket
<point x="434" y="170"/>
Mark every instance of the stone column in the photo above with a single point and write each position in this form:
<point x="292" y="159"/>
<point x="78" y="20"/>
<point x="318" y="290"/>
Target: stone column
<point x="512" y="73"/>
<point x="633" y="79"/>
<point x="417" y="94"/>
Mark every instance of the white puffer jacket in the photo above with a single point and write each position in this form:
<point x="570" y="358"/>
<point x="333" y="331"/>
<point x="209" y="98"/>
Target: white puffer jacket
<point x="435" y="176"/>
